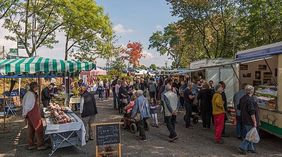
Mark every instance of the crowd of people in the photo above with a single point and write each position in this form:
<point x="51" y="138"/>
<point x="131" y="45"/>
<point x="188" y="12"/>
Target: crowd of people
<point x="143" y="97"/>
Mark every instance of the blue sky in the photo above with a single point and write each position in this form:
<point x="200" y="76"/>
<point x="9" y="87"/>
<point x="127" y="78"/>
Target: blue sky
<point x="133" y="20"/>
<point x="136" y="20"/>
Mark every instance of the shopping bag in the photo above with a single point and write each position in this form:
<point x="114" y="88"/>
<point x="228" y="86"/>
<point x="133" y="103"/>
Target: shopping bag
<point x="253" y="136"/>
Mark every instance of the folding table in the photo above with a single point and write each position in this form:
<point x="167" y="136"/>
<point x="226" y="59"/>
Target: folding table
<point x="65" y="135"/>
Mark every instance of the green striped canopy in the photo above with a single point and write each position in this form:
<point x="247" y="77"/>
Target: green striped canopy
<point x="42" y="65"/>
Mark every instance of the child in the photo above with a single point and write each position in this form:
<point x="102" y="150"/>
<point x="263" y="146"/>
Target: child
<point x="100" y="91"/>
<point x="129" y="107"/>
<point x="153" y="111"/>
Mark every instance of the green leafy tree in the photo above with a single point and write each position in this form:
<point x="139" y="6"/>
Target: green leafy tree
<point x="173" y="42"/>
<point x="87" y="28"/>
<point x="6" y="6"/>
<point x="118" y="64"/>
<point x="33" y="24"/>
<point x="211" y="22"/>
<point x="259" y="23"/>
<point x="153" y="66"/>
<point x="142" y="67"/>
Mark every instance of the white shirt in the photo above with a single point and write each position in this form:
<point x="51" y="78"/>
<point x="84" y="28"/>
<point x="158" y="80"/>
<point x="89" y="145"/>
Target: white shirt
<point x="81" y="104"/>
<point x="28" y="103"/>
<point x="117" y="88"/>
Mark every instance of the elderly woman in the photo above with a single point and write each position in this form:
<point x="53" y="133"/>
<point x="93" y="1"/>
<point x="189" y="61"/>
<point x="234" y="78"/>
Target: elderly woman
<point x="249" y="116"/>
<point x="31" y="111"/>
<point x="218" y="112"/>
<point x="141" y="108"/>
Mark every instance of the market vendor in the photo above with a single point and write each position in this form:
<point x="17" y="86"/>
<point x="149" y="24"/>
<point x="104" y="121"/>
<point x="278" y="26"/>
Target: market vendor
<point x="31" y="112"/>
<point x="88" y="111"/>
<point x="47" y="94"/>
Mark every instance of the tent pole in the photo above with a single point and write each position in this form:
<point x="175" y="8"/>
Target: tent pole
<point x="39" y="90"/>
<point x="4" y="127"/>
<point x="20" y="80"/>
<point x="235" y="72"/>
<point x="270" y="71"/>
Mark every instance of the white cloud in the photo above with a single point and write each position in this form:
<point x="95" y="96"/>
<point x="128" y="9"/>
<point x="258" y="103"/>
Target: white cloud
<point x="159" y="27"/>
<point x="153" y="57"/>
<point x="148" y="55"/>
<point x="119" y="28"/>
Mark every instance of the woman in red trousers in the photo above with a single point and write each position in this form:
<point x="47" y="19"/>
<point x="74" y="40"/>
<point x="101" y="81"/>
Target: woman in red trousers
<point x="218" y="113"/>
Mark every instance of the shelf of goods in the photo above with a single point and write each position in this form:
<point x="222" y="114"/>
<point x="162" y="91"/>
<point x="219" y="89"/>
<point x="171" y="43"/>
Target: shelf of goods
<point x="267" y="97"/>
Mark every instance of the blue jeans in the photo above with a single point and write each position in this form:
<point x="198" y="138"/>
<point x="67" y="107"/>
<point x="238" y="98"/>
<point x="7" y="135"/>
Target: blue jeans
<point x="246" y="145"/>
<point x="238" y="126"/>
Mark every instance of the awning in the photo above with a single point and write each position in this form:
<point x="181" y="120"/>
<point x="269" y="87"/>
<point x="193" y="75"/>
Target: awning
<point x="239" y="61"/>
<point x="189" y="71"/>
<point x="42" y="66"/>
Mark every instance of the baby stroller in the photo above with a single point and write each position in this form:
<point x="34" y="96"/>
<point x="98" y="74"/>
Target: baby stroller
<point x="131" y="123"/>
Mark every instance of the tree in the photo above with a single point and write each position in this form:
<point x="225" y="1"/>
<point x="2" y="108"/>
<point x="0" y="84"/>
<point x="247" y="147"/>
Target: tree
<point x="6" y="6"/>
<point x="175" y="42"/>
<point x="259" y="23"/>
<point x="143" y="67"/>
<point x="118" y="64"/>
<point x="87" y="28"/>
<point x="153" y="67"/>
<point x="211" y="21"/>
<point x="133" y="53"/>
<point x="34" y="24"/>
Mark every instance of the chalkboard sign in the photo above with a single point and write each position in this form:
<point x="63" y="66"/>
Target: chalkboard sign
<point x="107" y="134"/>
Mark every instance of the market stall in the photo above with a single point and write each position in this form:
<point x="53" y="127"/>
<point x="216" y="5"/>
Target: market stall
<point x="89" y="77"/>
<point x="62" y="126"/>
<point x="212" y="70"/>
<point x="262" y="68"/>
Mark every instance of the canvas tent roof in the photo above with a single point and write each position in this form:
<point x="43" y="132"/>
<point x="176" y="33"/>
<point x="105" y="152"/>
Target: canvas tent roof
<point x="42" y="66"/>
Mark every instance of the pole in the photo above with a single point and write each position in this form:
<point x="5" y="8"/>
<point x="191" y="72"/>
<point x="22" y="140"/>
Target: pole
<point x="4" y="127"/>
<point x="20" y="80"/>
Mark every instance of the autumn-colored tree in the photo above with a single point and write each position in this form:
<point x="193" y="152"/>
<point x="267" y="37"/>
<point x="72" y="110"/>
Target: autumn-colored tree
<point x="133" y="53"/>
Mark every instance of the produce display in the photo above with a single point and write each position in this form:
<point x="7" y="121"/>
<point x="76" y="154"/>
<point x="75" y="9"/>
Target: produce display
<point x="266" y="96"/>
<point x="58" y="114"/>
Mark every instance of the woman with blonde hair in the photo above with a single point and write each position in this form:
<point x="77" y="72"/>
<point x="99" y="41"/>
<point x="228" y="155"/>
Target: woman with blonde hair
<point x="218" y="112"/>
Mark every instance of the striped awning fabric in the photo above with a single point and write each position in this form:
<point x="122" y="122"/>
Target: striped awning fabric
<point x="42" y="65"/>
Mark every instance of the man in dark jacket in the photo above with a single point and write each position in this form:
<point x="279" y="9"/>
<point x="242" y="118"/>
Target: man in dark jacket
<point x="205" y="99"/>
<point x="46" y="95"/>
<point x="250" y="118"/>
<point x="225" y="107"/>
<point x="88" y="111"/>
<point x="114" y="92"/>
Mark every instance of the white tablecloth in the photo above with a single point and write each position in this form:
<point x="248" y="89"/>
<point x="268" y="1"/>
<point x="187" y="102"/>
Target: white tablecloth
<point x="77" y="126"/>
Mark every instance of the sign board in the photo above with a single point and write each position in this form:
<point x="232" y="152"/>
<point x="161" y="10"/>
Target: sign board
<point x="108" y="137"/>
<point x="107" y="134"/>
